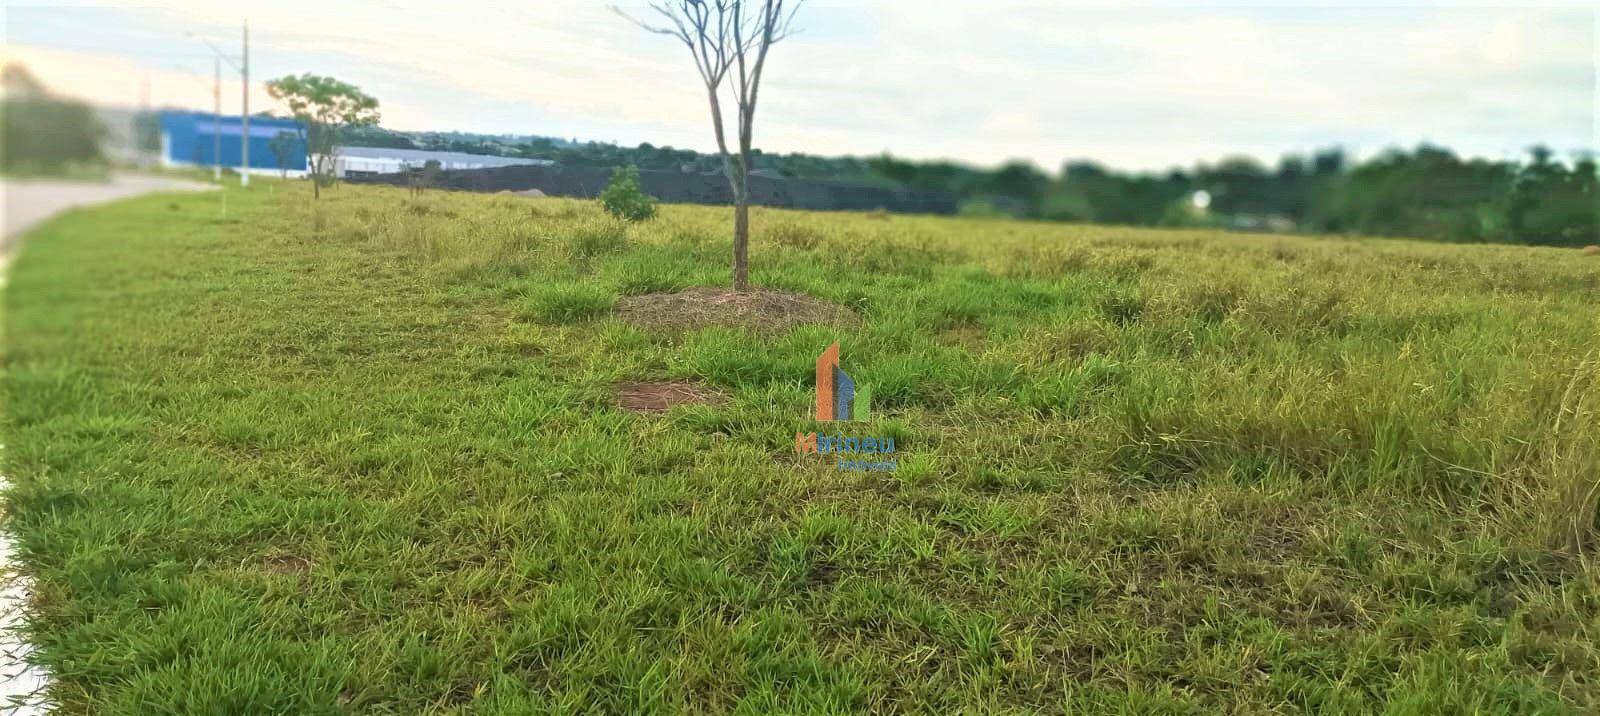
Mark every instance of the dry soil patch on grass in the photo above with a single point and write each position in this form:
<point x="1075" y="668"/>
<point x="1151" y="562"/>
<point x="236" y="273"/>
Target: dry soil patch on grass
<point x="759" y="309"/>
<point x="283" y="564"/>
<point x="655" y="396"/>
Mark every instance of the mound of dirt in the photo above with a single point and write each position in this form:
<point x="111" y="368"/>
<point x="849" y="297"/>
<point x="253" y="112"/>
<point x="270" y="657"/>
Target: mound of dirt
<point x="654" y="396"/>
<point x="1592" y="250"/>
<point x="758" y="309"/>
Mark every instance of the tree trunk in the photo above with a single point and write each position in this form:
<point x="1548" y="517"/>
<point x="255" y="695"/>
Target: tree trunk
<point x="741" y="241"/>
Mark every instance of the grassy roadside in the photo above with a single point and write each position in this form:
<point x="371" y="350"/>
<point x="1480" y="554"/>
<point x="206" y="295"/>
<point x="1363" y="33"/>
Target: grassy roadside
<point x="364" y="456"/>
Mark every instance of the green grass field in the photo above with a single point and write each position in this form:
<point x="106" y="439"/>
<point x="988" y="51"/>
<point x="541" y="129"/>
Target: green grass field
<point x="365" y="456"/>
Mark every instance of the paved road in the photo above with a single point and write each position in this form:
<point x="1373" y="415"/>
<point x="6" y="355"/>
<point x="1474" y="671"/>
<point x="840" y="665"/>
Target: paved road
<point x="28" y="202"/>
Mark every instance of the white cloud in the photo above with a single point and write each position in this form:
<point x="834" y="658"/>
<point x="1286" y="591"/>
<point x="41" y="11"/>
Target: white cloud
<point x="1009" y="121"/>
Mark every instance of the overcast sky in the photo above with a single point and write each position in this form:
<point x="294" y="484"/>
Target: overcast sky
<point x="1148" y="87"/>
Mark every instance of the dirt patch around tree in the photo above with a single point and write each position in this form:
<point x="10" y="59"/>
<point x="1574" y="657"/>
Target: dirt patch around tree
<point x="759" y="309"/>
<point x="656" y="396"/>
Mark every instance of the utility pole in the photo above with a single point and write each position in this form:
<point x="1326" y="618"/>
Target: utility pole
<point x="216" y="124"/>
<point x="140" y="151"/>
<point x="244" y="135"/>
<point x="244" y="127"/>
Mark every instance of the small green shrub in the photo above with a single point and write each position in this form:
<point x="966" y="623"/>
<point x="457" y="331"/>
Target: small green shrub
<point x="624" y="199"/>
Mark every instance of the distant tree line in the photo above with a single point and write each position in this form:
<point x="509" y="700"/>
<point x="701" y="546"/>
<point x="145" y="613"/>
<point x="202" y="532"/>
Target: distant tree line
<point x="1426" y="192"/>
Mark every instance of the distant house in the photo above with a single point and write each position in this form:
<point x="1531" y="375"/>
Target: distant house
<point x="190" y="139"/>
<point x="369" y="161"/>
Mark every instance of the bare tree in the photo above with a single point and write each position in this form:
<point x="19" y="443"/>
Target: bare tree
<point x="728" y="40"/>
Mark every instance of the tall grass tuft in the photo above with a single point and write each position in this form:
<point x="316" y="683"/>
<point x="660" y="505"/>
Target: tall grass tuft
<point x="1568" y="465"/>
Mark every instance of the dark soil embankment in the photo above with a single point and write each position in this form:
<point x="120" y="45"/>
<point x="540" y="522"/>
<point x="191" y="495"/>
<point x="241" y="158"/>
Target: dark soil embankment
<point x="687" y="188"/>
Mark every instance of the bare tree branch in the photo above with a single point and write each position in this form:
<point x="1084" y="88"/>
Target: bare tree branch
<point x="721" y="36"/>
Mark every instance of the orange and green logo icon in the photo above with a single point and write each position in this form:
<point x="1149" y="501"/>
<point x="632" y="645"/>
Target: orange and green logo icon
<point x="838" y="396"/>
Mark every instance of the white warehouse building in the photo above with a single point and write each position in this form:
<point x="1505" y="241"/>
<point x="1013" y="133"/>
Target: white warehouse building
<point x="360" y="161"/>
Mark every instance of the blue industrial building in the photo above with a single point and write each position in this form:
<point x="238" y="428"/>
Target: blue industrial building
<point x="189" y="139"/>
